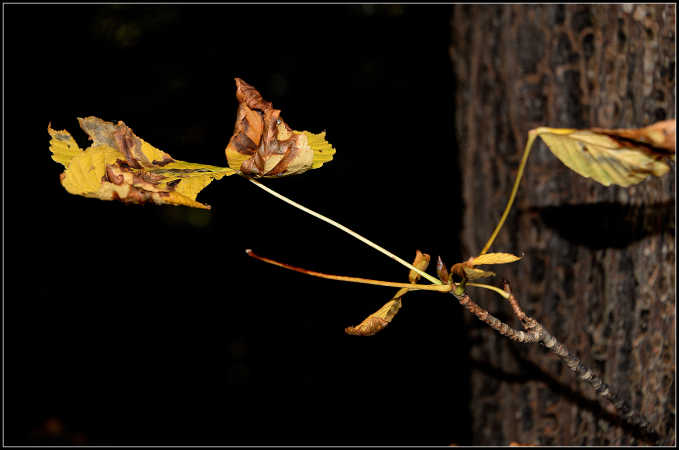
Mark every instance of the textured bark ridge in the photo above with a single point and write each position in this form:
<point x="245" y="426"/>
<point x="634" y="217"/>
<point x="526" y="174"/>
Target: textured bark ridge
<point x="599" y="262"/>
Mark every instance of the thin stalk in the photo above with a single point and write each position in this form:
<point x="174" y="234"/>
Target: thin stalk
<point x="346" y="230"/>
<point x="492" y="288"/>
<point x="531" y="138"/>
<point x="408" y="286"/>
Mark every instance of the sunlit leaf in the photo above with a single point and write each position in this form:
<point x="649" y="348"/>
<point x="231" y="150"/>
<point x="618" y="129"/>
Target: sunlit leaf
<point x="608" y="159"/>
<point x="121" y="166"/>
<point x="263" y="145"/>
<point x="493" y="258"/>
<point x="376" y="321"/>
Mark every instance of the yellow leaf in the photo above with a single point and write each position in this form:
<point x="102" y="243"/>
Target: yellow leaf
<point x="493" y="258"/>
<point x="63" y="146"/>
<point x="376" y="321"/>
<point x="603" y="158"/>
<point x="120" y="166"/>
<point x="323" y="151"/>
<point x="263" y="145"/>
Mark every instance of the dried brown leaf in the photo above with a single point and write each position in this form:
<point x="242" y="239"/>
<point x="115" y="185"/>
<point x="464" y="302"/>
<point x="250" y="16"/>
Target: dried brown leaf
<point x="376" y="321"/>
<point x="660" y="135"/>
<point x="263" y="145"/>
<point x="421" y="262"/>
<point x="441" y="271"/>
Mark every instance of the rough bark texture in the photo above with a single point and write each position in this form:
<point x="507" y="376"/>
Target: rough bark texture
<point x="599" y="266"/>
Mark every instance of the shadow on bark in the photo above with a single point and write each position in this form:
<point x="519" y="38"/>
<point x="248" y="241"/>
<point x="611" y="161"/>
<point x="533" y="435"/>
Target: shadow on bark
<point x="607" y="225"/>
<point x="530" y="371"/>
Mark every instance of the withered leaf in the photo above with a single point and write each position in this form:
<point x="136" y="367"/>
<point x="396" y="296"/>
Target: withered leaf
<point x="661" y="135"/>
<point x="263" y="145"/>
<point x="421" y="262"/>
<point x="623" y="157"/>
<point x="376" y="321"/>
<point x="121" y="166"/>
<point x="441" y="271"/>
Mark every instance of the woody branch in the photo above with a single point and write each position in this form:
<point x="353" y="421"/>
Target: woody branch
<point x="535" y="332"/>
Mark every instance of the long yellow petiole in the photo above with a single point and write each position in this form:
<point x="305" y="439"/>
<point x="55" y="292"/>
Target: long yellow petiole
<point x="409" y="286"/>
<point x="531" y="138"/>
<point x="346" y="230"/>
<point x="492" y="288"/>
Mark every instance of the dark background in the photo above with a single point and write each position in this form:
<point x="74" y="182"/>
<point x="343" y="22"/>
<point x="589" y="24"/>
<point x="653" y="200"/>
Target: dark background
<point x="131" y="324"/>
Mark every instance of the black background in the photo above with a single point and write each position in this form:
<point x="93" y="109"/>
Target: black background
<point x="131" y="324"/>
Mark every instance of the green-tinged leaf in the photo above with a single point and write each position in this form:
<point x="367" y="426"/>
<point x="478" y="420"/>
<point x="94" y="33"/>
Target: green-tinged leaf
<point x="120" y="166"/>
<point x="263" y="145"/>
<point x="604" y="158"/>
<point x="472" y="274"/>
<point x="493" y="258"/>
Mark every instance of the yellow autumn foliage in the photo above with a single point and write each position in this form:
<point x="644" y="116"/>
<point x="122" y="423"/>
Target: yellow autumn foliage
<point x="603" y="157"/>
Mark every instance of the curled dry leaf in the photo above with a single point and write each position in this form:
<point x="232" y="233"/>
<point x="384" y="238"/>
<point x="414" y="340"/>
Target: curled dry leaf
<point x="378" y="320"/>
<point x="121" y="166"/>
<point x="263" y="145"/>
<point x="623" y="157"/>
<point x="661" y="135"/>
<point x="421" y="262"/>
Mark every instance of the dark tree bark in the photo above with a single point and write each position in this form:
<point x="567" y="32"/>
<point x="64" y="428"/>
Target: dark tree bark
<point x="599" y="265"/>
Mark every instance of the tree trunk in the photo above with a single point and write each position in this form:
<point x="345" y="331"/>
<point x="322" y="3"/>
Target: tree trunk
<point x="598" y="270"/>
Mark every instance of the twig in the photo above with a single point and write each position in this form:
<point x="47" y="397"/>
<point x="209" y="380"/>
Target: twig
<point x="495" y="323"/>
<point x="535" y="332"/>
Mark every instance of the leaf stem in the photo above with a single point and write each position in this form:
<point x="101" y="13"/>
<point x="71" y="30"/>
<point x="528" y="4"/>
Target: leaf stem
<point x="492" y="288"/>
<point x="408" y="286"/>
<point x="346" y="230"/>
<point x="532" y="134"/>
